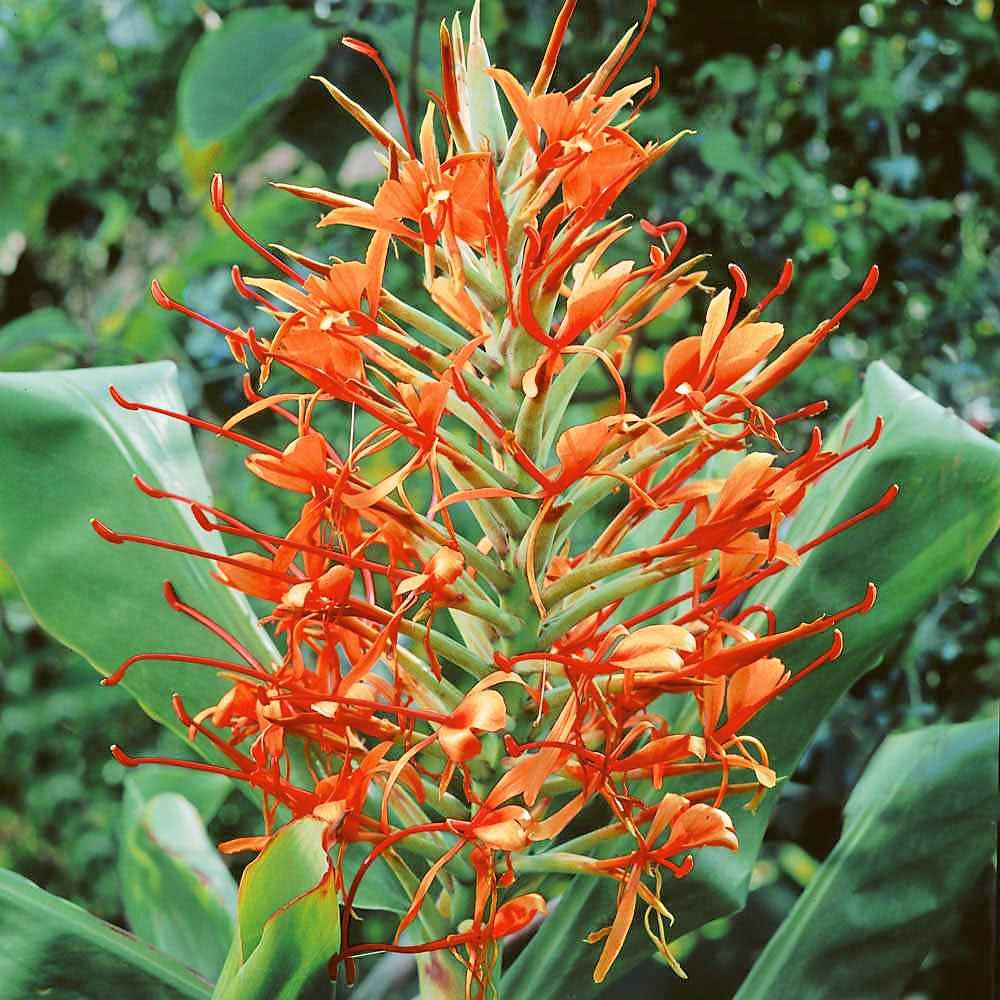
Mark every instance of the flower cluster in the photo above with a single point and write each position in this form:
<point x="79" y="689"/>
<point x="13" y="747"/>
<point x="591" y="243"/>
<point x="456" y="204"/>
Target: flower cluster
<point x="471" y="655"/>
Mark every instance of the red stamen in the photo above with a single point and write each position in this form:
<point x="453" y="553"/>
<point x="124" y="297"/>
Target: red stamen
<point x="117" y="537"/>
<point x="231" y="753"/>
<point x="250" y="442"/>
<point x="158" y="494"/>
<point x="654" y="89"/>
<point x="764" y="609"/>
<point x="383" y="845"/>
<point x="245" y="290"/>
<point x="164" y="301"/>
<point x="219" y="204"/>
<point x="876" y="508"/>
<point x="269" y="541"/>
<point x="780" y="288"/>
<point x="865" y="291"/>
<point x="805" y="412"/>
<point x="170" y="595"/>
<point x="288" y="793"/>
<point x="633" y="45"/>
<point x="372" y="53"/>
<point x="159" y="296"/>
<point x="207" y="661"/>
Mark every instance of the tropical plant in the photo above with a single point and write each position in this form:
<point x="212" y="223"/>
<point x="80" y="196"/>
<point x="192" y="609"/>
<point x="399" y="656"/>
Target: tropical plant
<point x="503" y="656"/>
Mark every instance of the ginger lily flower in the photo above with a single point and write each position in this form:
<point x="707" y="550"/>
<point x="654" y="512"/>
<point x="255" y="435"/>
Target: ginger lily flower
<point x="463" y="671"/>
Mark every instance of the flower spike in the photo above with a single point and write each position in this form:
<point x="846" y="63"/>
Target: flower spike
<point x="457" y="670"/>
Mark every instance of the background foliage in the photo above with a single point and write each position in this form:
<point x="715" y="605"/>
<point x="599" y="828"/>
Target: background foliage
<point x="835" y="134"/>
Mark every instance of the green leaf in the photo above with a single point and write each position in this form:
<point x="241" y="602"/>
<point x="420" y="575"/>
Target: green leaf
<point x="724" y="152"/>
<point x="379" y="889"/>
<point x="206" y="792"/>
<point x="733" y="74"/>
<point x="46" y="338"/>
<point x="947" y="511"/>
<point x="918" y="833"/>
<point x="288" y="920"/>
<point x="238" y="71"/>
<point x="51" y="947"/>
<point x="69" y="452"/>
<point x="178" y="893"/>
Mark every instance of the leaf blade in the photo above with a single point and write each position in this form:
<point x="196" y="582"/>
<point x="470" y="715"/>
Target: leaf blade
<point x="177" y="892"/>
<point x="87" y="594"/>
<point x="878" y="895"/>
<point x="230" y="78"/>
<point x="54" y="945"/>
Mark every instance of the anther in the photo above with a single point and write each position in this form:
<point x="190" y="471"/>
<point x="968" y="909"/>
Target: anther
<point x="160" y="297"/>
<point x="105" y="532"/>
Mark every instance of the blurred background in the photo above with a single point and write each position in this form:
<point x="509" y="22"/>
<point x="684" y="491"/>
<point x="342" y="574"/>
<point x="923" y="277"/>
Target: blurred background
<point x="836" y="134"/>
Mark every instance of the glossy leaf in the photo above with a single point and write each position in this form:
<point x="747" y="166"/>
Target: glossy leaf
<point x="237" y="72"/>
<point x="288" y="920"/>
<point x="946" y="513"/>
<point x="178" y="893"/>
<point x="919" y="830"/>
<point x="69" y="454"/>
<point x="51" y="947"/>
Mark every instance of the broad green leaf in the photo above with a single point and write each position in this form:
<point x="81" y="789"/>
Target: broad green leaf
<point x="946" y="513"/>
<point x="919" y="830"/>
<point x="178" y="893"/>
<point x="51" y="947"/>
<point x="288" y="920"/>
<point x="69" y="454"/>
<point x="238" y="71"/>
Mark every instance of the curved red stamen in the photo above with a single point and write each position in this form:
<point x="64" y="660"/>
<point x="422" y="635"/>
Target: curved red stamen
<point x="654" y="89"/>
<point x="128" y="404"/>
<point x="805" y="412"/>
<point x="887" y="498"/>
<point x="251" y="294"/>
<point x="633" y="45"/>
<point x="117" y="537"/>
<point x="292" y="796"/>
<point x="176" y="604"/>
<point x="218" y="193"/>
<point x="376" y="852"/>
<point x="765" y="609"/>
<point x="871" y="280"/>
<point x="207" y="661"/>
<point x="372" y="53"/>
<point x="780" y="288"/>
<point x="158" y="494"/>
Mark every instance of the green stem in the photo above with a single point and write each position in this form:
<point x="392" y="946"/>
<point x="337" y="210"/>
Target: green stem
<point x="558" y="625"/>
<point x="437" y="331"/>
<point x="560" y="861"/>
<point x="448" y="648"/>
<point x="564" y="385"/>
<point x="583" y="497"/>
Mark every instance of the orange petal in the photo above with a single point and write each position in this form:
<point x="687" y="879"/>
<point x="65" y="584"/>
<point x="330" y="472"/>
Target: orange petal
<point x="517" y="913"/>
